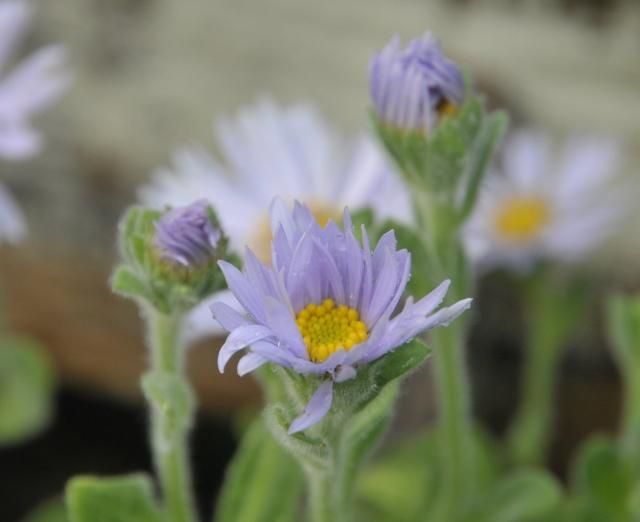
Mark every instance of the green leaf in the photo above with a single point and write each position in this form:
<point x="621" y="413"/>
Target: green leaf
<point x="604" y="478"/>
<point x="26" y="389"/>
<point x="522" y="496"/>
<point x="262" y="484"/>
<point x="119" y="499"/>
<point x="403" y="484"/>
<point x="399" y="362"/>
<point x="127" y="283"/>
<point x="478" y="157"/>
<point x="623" y="314"/>
<point x="50" y="511"/>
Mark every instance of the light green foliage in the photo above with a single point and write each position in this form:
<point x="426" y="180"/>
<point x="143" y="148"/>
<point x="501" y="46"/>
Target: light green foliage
<point x="404" y="486"/>
<point x="624" y="327"/>
<point x="145" y="276"/>
<point x="262" y="484"/>
<point x="51" y="511"/>
<point x="604" y="485"/>
<point x="26" y="389"/>
<point x="524" y="495"/>
<point x="119" y="499"/>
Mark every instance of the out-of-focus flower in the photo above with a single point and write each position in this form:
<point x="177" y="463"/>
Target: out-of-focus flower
<point x="29" y="87"/>
<point x="324" y="305"/>
<point x="544" y="207"/>
<point x="271" y="151"/>
<point x="413" y="88"/>
<point x="291" y="153"/>
<point x="188" y="235"/>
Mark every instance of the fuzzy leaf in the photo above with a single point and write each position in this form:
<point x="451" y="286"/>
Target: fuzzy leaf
<point x="119" y="499"/>
<point x="604" y="478"/>
<point x="127" y="283"/>
<point x="399" y="362"/>
<point x="523" y="496"/>
<point x="262" y="484"/>
<point x="26" y="389"/>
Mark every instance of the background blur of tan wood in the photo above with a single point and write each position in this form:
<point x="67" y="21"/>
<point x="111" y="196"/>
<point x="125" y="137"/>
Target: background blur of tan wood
<point x="150" y="75"/>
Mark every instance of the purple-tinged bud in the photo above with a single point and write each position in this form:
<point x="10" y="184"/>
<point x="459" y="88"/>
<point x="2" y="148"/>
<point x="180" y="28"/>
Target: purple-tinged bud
<point x="415" y="87"/>
<point x="188" y="236"/>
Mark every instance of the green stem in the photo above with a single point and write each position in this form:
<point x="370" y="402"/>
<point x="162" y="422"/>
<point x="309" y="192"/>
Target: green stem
<point x="529" y="436"/>
<point x="631" y="413"/>
<point x="553" y="309"/>
<point x="169" y="439"/>
<point x="324" y="500"/>
<point x="446" y="260"/>
<point x="454" y="425"/>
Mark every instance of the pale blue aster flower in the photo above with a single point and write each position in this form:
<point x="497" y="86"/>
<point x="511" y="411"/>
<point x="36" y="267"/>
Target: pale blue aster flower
<point x="30" y="87"/>
<point x="325" y="305"/>
<point x="270" y="150"/>
<point x="412" y="88"/>
<point x="548" y="203"/>
<point x="188" y="235"/>
<point x="26" y="89"/>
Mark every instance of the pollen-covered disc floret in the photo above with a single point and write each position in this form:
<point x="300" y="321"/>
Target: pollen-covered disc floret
<point x="325" y="305"/>
<point x="521" y="218"/>
<point x="327" y="328"/>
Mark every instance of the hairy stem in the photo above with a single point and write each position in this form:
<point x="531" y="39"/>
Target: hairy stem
<point x="169" y="438"/>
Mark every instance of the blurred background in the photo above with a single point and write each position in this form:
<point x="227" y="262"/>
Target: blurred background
<point x="151" y="75"/>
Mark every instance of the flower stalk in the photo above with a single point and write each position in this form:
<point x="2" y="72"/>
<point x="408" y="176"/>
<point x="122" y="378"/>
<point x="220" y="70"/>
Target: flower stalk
<point x="171" y="419"/>
<point x="553" y="309"/>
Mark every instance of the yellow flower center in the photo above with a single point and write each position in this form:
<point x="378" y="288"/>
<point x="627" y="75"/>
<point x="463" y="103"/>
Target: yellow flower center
<point x="260" y="241"/>
<point x="327" y="328"/>
<point x="521" y="218"/>
<point x="446" y="108"/>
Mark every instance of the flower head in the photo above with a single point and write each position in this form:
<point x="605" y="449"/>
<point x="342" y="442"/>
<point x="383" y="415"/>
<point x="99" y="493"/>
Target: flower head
<point x="31" y="86"/>
<point x="188" y="235"/>
<point x="413" y="88"/>
<point x="541" y="208"/>
<point x="325" y="305"/>
<point x="271" y="151"/>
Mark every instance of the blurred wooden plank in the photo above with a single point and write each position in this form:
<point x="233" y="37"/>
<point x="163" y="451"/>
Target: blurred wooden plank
<point x="96" y="338"/>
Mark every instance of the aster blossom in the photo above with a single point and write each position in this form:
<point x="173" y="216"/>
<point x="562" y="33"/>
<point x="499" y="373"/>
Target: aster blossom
<point x="325" y="305"/>
<point x="290" y="152"/>
<point x="268" y="151"/>
<point x="414" y="87"/>
<point x="30" y="87"/>
<point x="188" y="235"/>
<point x="546" y="204"/>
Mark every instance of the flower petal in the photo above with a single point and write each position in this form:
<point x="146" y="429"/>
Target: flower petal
<point x="240" y="338"/>
<point x="228" y="318"/>
<point x="344" y="373"/>
<point x="250" y="362"/>
<point x="244" y="292"/>
<point x="315" y="410"/>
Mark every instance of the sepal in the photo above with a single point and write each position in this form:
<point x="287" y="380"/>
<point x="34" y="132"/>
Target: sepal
<point x="450" y="162"/>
